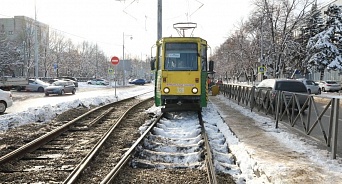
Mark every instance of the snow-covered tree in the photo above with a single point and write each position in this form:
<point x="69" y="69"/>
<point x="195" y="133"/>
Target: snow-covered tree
<point x="313" y="23"/>
<point x="9" y="56"/>
<point x="268" y="38"/>
<point x="325" y="48"/>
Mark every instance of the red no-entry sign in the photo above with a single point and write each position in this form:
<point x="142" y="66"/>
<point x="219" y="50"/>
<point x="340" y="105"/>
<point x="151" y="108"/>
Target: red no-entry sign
<point x="114" y="60"/>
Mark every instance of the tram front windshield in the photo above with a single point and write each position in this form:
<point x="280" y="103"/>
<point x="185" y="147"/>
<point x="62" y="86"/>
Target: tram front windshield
<point x="181" y="56"/>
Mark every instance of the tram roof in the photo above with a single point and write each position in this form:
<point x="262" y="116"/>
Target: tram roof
<point x="181" y="39"/>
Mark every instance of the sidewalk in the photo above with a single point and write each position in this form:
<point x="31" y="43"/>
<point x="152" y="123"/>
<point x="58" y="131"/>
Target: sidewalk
<point x="274" y="158"/>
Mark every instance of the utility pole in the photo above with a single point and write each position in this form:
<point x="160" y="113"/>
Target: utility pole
<point x="159" y="19"/>
<point x="96" y="61"/>
<point x="123" y="55"/>
<point x="25" y="62"/>
<point x="123" y="58"/>
<point x="35" y="45"/>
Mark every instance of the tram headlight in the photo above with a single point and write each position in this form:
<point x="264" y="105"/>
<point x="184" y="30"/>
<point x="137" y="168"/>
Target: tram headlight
<point x="166" y="90"/>
<point x="194" y="90"/>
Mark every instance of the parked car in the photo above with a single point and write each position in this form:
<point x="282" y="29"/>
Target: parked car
<point x="52" y="81"/>
<point x="148" y="81"/>
<point x="312" y="86"/>
<point x="138" y="82"/>
<point x="330" y="86"/>
<point x="98" y="82"/>
<point x="288" y="86"/>
<point x="5" y="100"/>
<point x="74" y="79"/>
<point x="35" y="85"/>
<point x="60" y="87"/>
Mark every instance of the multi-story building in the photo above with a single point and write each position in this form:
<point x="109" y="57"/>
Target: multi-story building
<point x="20" y="30"/>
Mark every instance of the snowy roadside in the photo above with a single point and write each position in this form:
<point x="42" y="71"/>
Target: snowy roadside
<point x="274" y="155"/>
<point x="41" y="109"/>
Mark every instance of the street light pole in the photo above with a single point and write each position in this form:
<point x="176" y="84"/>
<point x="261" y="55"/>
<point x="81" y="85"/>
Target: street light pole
<point x="36" y="48"/>
<point x="123" y="56"/>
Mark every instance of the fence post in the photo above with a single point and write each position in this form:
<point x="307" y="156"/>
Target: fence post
<point x="230" y="91"/>
<point x="310" y="102"/>
<point x="335" y="127"/>
<point x="277" y="108"/>
<point x="252" y="98"/>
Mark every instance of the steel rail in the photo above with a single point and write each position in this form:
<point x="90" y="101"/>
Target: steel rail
<point x="72" y="178"/>
<point x="209" y="158"/>
<point x="35" y="144"/>
<point x="111" y="175"/>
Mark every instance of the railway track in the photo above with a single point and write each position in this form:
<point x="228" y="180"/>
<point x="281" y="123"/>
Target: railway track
<point x="55" y="156"/>
<point x="105" y="146"/>
<point x="170" y="151"/>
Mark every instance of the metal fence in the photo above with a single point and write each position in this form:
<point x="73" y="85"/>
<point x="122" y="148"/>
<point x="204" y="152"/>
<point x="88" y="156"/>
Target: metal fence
<point x="334" y="75"/>
<point x="304" y="117"/>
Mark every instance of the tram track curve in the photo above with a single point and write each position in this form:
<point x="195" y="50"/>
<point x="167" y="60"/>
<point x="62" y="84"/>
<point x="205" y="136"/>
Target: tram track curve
<point x="65" y="146"/>
<point x="95" y="172"/>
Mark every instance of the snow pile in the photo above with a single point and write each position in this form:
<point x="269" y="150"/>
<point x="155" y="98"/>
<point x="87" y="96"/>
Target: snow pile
<point x="175" y="142"/>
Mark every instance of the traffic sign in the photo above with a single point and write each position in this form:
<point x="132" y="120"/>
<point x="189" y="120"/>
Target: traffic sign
<point x="110" y="71"/>
<point x="114" y="60"/>
<point x="261" y="69"/>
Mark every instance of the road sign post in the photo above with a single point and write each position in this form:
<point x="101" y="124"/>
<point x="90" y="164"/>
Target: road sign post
<point x="261" y="69"/>
<point x="115" y="60"/>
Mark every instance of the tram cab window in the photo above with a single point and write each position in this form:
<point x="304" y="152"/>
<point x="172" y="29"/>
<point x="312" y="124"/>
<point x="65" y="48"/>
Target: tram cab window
<point x="181" y="56"/>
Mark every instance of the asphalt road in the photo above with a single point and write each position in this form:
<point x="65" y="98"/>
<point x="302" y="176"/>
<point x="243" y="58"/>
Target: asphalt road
<point x="24" y="100"/>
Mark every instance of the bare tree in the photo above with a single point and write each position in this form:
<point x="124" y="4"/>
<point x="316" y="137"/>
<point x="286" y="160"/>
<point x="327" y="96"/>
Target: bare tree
<point x="266" y="38"/>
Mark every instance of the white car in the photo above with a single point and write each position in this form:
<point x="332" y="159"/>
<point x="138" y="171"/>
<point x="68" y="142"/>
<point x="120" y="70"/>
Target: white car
<point x="330" y="86"/>
<point x="5" y="100"/>
<point x="312" y="86"/>
<point x="98" y="82"/>
<point x="36" y="85"/>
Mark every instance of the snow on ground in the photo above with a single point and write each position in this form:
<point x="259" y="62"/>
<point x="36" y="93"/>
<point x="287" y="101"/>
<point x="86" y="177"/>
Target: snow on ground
<point x="316" y="158"/>
<point x="44" y="109"/>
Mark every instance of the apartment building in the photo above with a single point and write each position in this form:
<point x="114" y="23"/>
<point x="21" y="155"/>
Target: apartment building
<point x="21" y="28"/>
<point x="20" y="31"/>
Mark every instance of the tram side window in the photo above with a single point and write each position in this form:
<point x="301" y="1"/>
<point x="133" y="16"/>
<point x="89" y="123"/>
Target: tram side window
<point x="204" y="57"/>
<point x="160" y="51"/>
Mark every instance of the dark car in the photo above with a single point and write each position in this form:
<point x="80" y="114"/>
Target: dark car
<point x="138" y="82"/>
<point x="288" y="86"/>
<point x="52" y="81"/>
<point x="75" y="81"/>
<point x="60" y="88"/>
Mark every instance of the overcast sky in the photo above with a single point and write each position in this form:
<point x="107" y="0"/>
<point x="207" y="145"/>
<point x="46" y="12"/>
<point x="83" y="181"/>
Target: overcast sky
<point x="103" y="22"/>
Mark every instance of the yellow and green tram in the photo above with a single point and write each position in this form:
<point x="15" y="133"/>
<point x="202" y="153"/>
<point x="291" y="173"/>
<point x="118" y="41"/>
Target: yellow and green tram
<point x="181" y="71"/>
